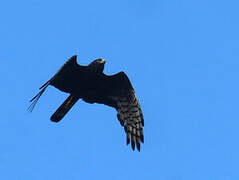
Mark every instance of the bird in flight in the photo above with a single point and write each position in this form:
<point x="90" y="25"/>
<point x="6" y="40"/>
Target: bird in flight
<point x="90" y="84"/>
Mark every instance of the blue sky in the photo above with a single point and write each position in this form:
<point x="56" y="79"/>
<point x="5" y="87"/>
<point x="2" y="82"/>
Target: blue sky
<point x="182" y="58"/>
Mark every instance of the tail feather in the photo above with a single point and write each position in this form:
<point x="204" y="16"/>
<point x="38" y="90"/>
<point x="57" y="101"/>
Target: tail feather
<point x="64" y="108"/>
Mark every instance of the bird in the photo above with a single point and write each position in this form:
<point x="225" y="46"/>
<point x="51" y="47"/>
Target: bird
<point x="90" y="84"/>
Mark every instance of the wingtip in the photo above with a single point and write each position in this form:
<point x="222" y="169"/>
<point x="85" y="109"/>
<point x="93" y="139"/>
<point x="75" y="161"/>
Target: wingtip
<point x="133" y="145"/>
<point x="128" y="137"/>
<point x="142" y="138"/>
<point x="138" y="147"/>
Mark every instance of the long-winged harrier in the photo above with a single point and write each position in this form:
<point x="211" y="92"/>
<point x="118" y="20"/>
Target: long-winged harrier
<point x="90" y="84"/>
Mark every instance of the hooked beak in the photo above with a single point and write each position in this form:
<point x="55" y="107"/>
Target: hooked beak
<point x="102" y="61"/>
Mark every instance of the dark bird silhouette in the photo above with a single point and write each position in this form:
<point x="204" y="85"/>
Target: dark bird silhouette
<point x="90" y="84"/>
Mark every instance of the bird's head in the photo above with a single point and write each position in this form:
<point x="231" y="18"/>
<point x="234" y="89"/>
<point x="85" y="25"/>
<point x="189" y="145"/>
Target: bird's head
<point x="97" y="65"/>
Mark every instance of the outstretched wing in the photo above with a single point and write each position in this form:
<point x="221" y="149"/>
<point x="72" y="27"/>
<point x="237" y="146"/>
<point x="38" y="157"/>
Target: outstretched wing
<point x="120" y="94"/>
<point x="60" y="74"/>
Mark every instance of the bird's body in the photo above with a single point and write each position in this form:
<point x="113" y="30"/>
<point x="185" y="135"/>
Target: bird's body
<point x="90" y="84"/>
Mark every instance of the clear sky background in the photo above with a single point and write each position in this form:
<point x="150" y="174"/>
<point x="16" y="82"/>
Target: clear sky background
<point x="182" y="58"/>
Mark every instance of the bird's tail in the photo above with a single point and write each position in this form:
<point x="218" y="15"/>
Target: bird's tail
<point x="64" y="108"/>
